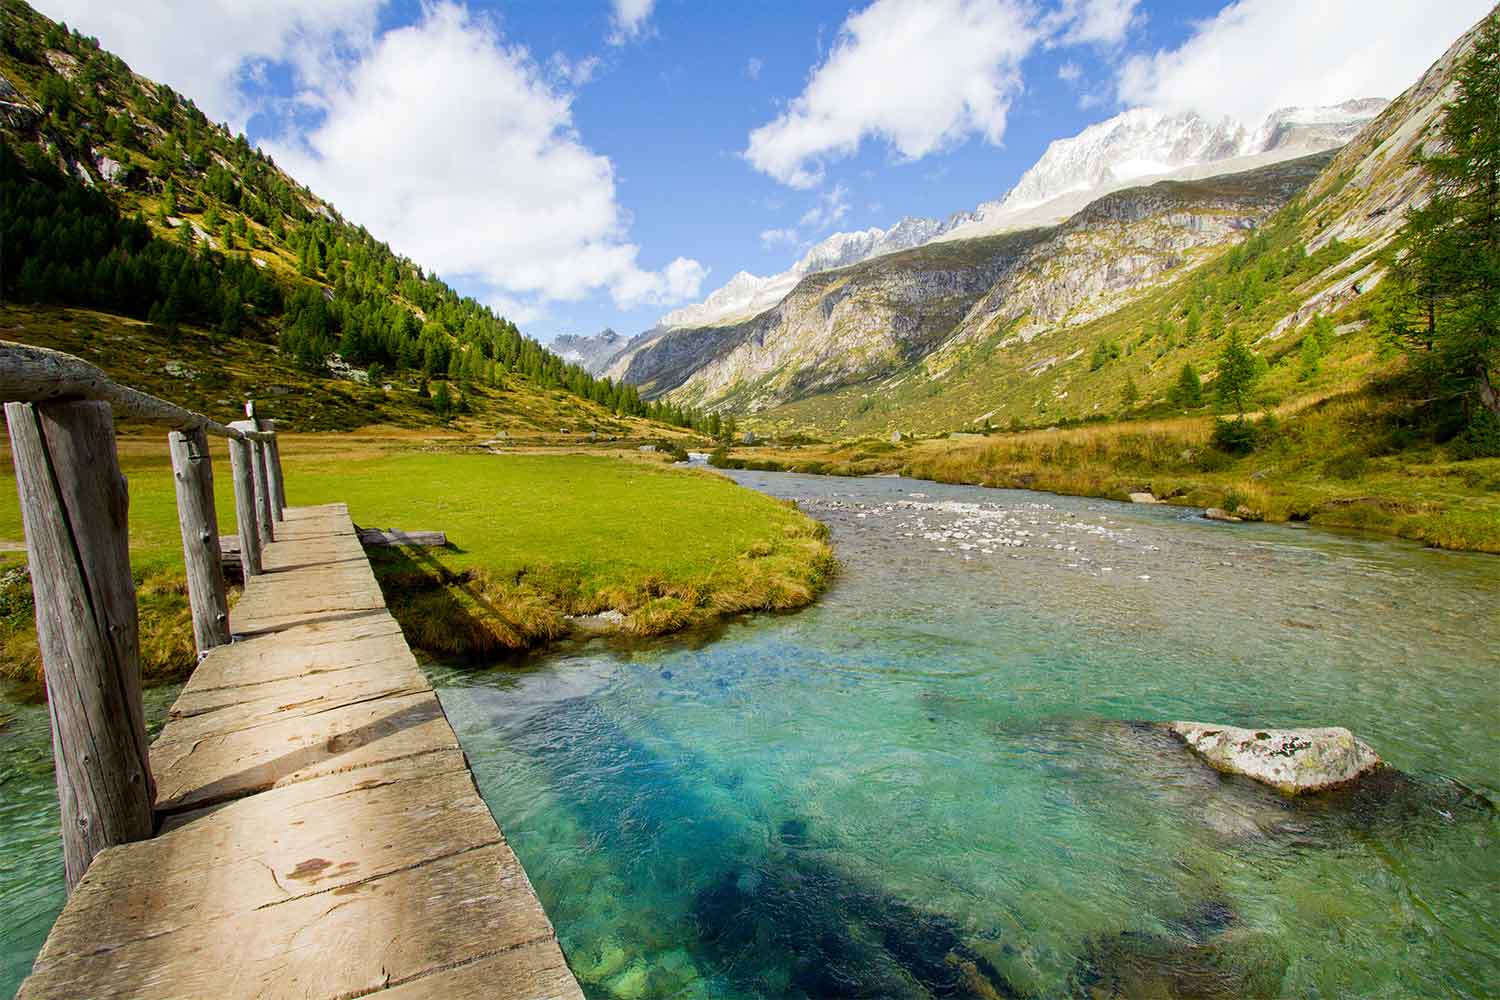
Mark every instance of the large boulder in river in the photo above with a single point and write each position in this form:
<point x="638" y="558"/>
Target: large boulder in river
<point x="1292" y="761"/>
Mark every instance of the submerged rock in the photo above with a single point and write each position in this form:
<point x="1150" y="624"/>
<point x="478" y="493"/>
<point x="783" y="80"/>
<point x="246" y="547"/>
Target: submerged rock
<point x="1292" y="761"/>
<point x="1235" y="965"/>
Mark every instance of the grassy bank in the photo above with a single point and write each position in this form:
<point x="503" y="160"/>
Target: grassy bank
<point x="533" y="539"/>
<point x="1347" y="461"/>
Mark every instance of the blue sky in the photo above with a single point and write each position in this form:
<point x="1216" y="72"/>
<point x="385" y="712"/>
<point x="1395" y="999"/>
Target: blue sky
<point x="597" y="162"/>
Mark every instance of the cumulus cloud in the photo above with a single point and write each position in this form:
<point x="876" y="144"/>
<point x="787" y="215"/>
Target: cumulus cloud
<point x="1259" y="55"/>
<point x="1092" y="22"/>
<point x="921" y="75"/>
<point x="206" y="48"/>
<point x="628" y="21"/>
<point x="475" y="171"/>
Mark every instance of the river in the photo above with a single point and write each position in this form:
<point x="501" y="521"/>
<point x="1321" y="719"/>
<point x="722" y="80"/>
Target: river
<point x="935" y="783"/>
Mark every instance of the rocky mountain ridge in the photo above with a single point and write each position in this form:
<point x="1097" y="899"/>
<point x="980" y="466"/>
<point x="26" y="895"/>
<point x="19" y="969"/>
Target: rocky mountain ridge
<point x="842" y="327"/>
<point x="1102" y="321"/>
<point x="592" y="352"/>
<point x="1132" y="147"/>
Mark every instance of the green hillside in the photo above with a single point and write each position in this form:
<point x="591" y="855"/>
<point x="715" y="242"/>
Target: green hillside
<point x="184" y="242"/>
<point x="1081" y="372"/>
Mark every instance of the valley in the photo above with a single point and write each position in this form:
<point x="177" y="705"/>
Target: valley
<point x="1080" y="587"/>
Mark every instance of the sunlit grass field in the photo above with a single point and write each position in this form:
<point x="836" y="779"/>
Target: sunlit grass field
<point x="532" y="539"/>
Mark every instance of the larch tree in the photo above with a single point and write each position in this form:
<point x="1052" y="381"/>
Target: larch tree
<point x="1446" y="307"/>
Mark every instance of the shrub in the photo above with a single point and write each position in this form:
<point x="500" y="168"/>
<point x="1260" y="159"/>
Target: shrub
<point x="1234" y="437"/>
<point x="1481" y="438"/>
<point x="1349" y="465"/>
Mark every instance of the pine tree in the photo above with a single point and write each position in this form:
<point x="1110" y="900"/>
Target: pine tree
<point x="442" y="402"/>
<point x="1237" y="373"/>
<point x="1129" y="394"/>
<point x="1447" y="259"/>
<point x="1187" y="393"/>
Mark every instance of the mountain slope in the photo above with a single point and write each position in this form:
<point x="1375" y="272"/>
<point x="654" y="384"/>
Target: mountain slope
<point x="1132" y="148"/>
<point x="881" y="315"/>
<point x="119" y="196"/>
<point x="1021" y="357"/>
<point x="1099" y="316"/>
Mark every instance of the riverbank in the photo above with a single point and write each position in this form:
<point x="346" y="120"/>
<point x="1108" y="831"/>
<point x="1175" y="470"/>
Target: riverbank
<point x="1347" y="462"/>
<point x="536" y="541"/>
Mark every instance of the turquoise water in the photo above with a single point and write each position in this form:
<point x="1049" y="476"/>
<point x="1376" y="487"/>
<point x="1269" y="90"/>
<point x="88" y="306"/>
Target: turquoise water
<point x="31" y="863"/>
<point x="927" y="785"/>
<point x="930" y="784"/>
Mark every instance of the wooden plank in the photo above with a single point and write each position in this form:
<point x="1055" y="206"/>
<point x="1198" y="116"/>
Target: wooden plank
<point x="73" y="508"/>
<point x="332" y="785"/>
<point x="390" y="536"/>
<point x="221" y="863"/>
<point x="192" y="472"/>
<point x="304" y="649"/>
<point x="231" y="765"/>
<point x="321" y="834"/>
<point x="346" y="942"/>
<point x="535" y="971"/>
<point x="293" y="698"/>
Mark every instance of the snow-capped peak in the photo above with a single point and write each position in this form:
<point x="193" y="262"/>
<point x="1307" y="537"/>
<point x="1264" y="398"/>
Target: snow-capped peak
<point x="1135" y="146"/>
<point x="1148" y="143"/>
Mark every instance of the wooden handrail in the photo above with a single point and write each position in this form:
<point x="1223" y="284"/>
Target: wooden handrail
<point x="60" y="411"/>
<point x="39" y="375"/>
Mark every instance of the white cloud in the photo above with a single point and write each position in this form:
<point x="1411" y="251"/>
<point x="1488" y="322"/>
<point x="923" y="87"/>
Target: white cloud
<point x="629" y="20"/>
<point x="827" y="210"/>
<point x="770" y="238"/>
<point x="1259" y="55"/>
<point x="753" y="68"/>
<point x="204" y="48"/>
<point x="1069" y="72"/>
<point x="573" y="72"/>
<point x="1093" y="22"/>
<point x="921" y="75"/>
<point x="475" y="171"/>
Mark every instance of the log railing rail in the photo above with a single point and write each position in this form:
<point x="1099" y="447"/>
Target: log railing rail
<point x="60" y="412"/>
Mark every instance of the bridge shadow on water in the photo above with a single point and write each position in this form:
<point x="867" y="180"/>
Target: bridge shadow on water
<point x="767" y="919"/>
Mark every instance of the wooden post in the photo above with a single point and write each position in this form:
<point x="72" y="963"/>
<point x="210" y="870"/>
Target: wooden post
<point x="263" y="505"/>
<point x="192" y="469"/>
<point x="241" y="468"/>
<point x="270" y="425"/>
<point x="263" y="518"/>
<point x="73" y="506"/>
<point x="274" y="486"/>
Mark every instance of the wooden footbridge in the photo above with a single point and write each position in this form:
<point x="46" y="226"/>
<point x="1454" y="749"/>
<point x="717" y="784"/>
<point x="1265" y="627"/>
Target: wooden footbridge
<point x="306" y="824"/>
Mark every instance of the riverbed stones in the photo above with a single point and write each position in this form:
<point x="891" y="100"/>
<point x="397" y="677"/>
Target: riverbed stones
<point x="1220" y="514"/>
<point x="1293" y="761"/>
<point x="1145" y="497"/>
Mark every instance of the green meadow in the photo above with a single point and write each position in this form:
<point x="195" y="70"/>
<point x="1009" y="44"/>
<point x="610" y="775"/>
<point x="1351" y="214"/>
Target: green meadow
<point x="533" y="539"/>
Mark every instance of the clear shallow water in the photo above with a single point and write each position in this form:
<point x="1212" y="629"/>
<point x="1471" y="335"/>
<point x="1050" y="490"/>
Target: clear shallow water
<point x="927" y="785"/>
<point x="31" y="863"/>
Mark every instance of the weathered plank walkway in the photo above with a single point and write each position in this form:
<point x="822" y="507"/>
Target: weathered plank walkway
<point x="323" y="836"/>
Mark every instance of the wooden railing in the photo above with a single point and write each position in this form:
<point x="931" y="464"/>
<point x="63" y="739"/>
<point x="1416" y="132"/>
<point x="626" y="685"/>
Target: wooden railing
<point x="60" y="411"/>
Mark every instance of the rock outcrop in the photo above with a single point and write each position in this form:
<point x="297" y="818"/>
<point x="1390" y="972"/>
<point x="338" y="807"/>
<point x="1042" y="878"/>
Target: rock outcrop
<point x="848" y="325"/>
<point x="593" y="353"/>
<point x="1293" y="761"/>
